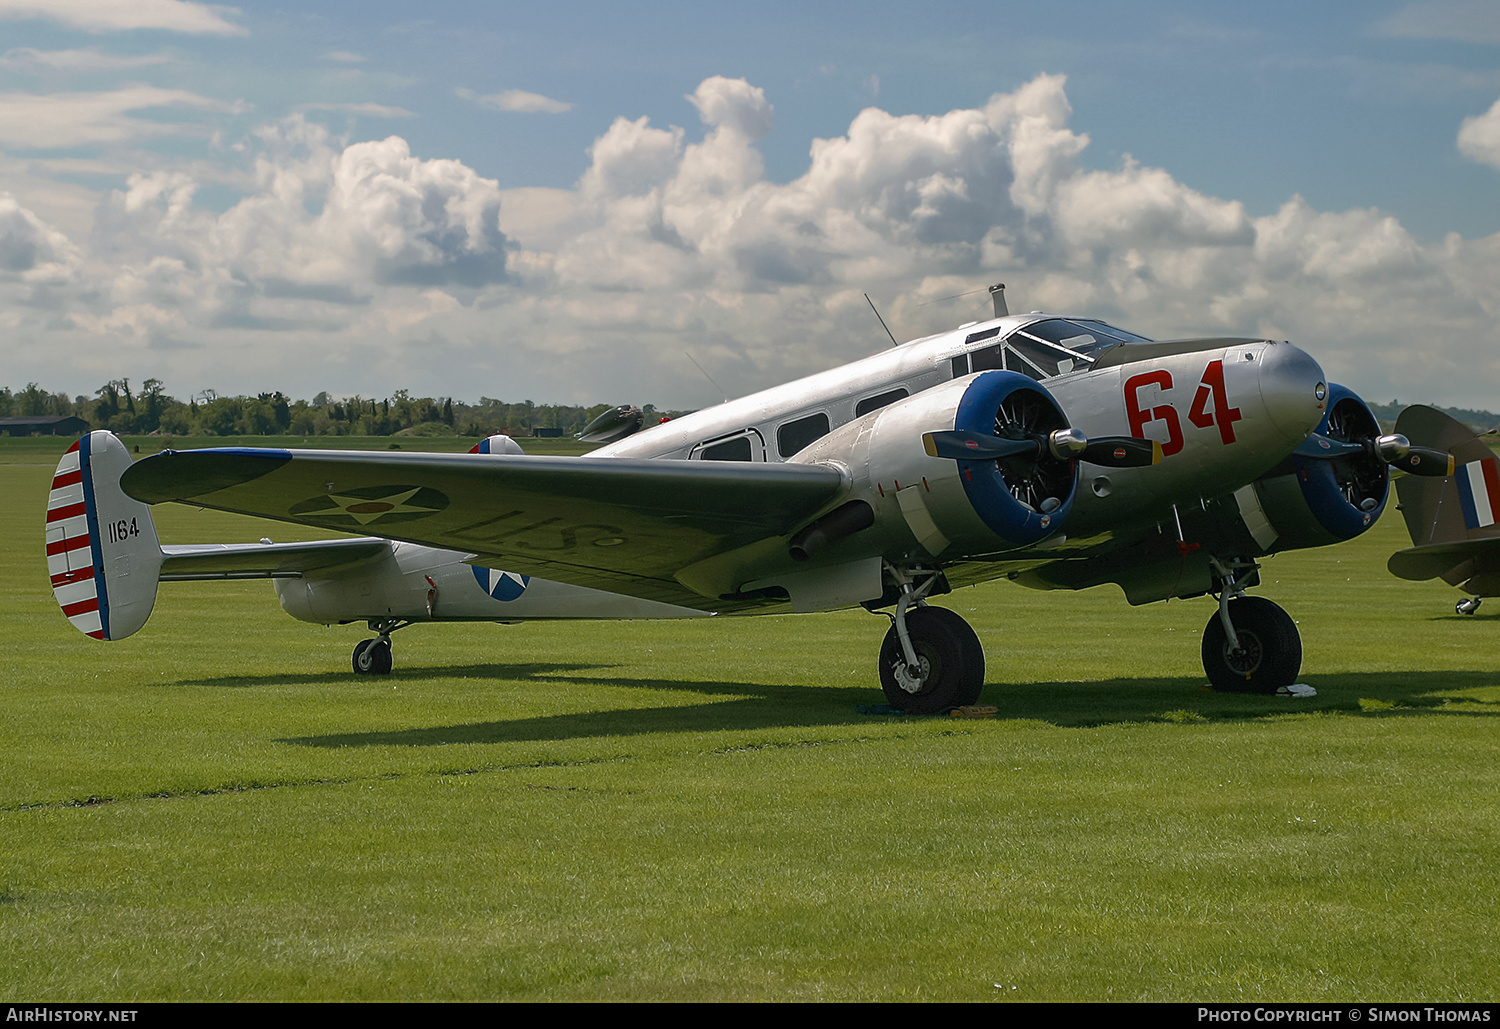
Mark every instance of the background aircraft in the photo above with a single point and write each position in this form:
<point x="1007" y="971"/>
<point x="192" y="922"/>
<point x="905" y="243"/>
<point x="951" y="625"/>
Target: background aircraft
<point x="1452" y="522"/>
<point x="1059" y="453"/>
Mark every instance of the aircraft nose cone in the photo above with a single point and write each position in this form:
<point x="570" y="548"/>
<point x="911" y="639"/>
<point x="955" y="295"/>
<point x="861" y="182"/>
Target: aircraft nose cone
<point x="1293" y="388"/>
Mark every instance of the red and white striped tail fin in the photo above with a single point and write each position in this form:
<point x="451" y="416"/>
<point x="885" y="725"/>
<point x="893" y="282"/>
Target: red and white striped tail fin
<point x="102" y="551"/>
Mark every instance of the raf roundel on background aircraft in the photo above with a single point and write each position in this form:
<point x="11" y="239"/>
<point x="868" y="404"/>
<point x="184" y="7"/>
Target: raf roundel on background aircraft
<point x="1057" y="452"/>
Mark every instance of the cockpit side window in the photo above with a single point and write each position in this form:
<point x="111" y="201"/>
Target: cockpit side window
<point x="988" y="358"/>
<point x="1038" y="355"/>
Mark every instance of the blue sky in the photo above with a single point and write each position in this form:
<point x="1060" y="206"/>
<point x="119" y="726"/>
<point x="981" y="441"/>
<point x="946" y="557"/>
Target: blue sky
<point x="557" y="202"/>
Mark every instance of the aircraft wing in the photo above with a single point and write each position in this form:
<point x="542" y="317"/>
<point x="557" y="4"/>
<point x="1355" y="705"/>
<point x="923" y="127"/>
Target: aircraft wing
<point x="627" y="526"/>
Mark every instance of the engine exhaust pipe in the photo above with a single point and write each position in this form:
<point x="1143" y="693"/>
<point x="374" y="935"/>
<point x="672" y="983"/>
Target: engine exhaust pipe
<point x="840" y="523"/>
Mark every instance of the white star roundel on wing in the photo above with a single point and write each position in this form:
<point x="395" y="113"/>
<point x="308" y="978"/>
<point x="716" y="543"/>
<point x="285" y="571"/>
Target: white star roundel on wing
<point x="372" y="505"/>
<point x="501" y="585"/>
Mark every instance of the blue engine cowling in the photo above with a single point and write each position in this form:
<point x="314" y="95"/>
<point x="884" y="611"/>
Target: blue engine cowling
<point x="1313" y="502"/>
<point x="1022" y="500"/>
<point x="954" y="507"/>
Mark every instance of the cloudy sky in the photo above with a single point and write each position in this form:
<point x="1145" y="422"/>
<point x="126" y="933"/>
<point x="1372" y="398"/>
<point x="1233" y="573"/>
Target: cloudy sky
<point x="563" y="202"/>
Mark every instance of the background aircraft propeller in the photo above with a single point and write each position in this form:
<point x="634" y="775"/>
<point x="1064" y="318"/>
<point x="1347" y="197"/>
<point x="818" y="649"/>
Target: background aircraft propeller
<point x="614" y="424"/>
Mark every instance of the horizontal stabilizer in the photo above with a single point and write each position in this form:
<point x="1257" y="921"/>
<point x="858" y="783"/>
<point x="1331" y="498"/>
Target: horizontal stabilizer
<point x="204" y="561"/>
<point x="1429" y="562"/>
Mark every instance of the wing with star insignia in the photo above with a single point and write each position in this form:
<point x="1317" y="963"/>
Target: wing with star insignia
<point x="627" y="526"/>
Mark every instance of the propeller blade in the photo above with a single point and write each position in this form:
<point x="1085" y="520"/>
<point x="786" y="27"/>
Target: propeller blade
<point x="1393" y="449"/>
<point x="1425" y="461"/>
<point x="1121" y="452"/>
<point x="1326" y="448"/>
<point x="960" y="445"/>
<point x="614" y="424"/>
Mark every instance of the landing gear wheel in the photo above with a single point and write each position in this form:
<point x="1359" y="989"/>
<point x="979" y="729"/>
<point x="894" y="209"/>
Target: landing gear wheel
<point x="1467" y="606"/>
<point x="373" y="657"/>
<point x="1270" y="652"/>
<point x="950" y="663"/>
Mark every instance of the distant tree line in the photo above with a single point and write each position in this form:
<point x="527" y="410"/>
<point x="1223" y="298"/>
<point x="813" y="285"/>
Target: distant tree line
<point x="1479" y="420"/>
<point x="148" y="409"/>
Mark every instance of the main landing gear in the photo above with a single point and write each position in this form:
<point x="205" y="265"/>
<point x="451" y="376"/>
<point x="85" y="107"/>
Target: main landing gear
<point x="373" y="657"/>
<point x="1467" y="606"/>
<point x="931" y="660"/>
<point x="1250" y="645"/>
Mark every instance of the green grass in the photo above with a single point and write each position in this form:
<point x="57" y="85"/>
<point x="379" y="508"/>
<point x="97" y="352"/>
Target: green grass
<point x="217" y="808"/>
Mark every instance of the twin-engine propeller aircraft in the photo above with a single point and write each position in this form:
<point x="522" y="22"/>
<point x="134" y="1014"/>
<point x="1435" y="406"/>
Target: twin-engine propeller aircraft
<point x="1057" y="452"/>
<point x="1454" y="523"/>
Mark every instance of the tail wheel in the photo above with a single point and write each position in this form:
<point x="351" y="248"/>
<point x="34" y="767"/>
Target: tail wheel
<point x="1269" y="655"/>
<point x="950" y="663"/>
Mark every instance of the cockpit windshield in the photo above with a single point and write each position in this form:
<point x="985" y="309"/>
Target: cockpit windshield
<point x="1084" y="337"/>
<point x="1043" y="349"/>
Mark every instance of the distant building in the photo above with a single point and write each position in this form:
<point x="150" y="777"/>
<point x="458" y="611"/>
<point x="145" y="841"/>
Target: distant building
<point x="44" y="425"/>
<point x="546" y="433"/>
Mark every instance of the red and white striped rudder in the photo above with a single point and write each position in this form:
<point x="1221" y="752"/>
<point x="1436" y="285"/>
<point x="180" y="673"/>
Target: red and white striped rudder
<point x="102" y="551"/>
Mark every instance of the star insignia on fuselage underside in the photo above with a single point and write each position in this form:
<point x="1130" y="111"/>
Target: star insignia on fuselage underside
<point x="372" y="505"/>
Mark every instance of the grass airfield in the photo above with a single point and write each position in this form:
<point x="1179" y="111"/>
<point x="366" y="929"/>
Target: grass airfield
<point x="218" y="809"/>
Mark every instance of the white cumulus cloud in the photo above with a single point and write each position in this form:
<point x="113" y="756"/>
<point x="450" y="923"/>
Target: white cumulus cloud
<point x="1479" y="137"/>
<point x="30" y="249"/>
<point x="122" y="15"/>
<point x="363" y="264"/>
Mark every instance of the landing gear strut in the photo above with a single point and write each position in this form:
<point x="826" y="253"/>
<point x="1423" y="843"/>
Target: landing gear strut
<point x="373" y="657"/>
<point x="930" y="660"/>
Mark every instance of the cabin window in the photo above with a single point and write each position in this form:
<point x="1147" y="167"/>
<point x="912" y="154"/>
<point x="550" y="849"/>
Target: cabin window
<point x="794" y="436"/>
<point x="875" y="403"/>
<point x="960" y="366"/>
<point x="745" y="445"/>
<point x="730" y="450"/>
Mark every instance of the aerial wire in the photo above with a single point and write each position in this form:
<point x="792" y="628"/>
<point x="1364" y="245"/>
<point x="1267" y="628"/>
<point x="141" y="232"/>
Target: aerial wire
<point x="883" y="325"/>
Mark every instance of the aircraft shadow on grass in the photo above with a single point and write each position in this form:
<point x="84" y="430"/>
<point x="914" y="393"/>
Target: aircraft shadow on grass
<point x="769" y="705"/>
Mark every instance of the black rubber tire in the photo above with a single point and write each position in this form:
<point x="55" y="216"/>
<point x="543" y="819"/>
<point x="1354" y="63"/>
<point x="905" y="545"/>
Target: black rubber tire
<point x="955" y="659"/>
<point x="372" y="657"/>
<point x="380" y="653"/>
<point x="1271" y="648"/>
<point x="361" y="660"/>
